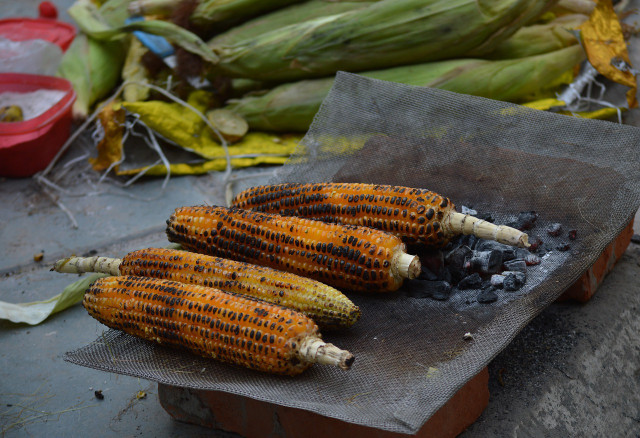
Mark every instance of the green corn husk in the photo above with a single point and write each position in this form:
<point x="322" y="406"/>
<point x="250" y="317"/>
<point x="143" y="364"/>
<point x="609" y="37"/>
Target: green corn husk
<point x="384" y="34"/>
<point x="91" y="21"/>
<point x="284" y="17"/>
<point x="227" y="12"/>
<point x="93" y="68"/>
<point x="539" y="38"/>
<point x="133" y="70"/>
<point x="291" y="107"/>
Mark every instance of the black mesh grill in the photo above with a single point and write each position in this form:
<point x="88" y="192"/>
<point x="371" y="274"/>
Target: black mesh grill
<point x="496" y="157"/>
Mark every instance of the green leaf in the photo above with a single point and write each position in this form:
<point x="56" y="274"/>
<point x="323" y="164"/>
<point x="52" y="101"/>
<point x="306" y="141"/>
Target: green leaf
<point x="37" y="311"/>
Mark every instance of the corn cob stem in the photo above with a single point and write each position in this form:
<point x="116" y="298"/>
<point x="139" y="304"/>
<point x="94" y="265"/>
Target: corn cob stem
<point x="212" y="323"/>
<point x="80" y="265"/>
<point x="315" y="350"/>
<point x="459" y="223"/>
<point x="327" y="306"/>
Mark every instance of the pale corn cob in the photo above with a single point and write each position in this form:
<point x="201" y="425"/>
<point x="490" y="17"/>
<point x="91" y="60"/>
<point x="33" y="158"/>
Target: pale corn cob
<point x="327" y="306"/>
<point x="224" y="326"/>
<point x="416" y="215"/>
<point x="348" y="257"/>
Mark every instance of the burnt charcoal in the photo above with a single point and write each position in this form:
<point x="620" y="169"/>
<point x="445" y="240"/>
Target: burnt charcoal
<point x="573" y="234"/>
<point x="554" y="229"/>
<point x="508" y="252"/>
<point x="447" y="275"/>
<point x="427" y="274"/>
<point x="485" y="262"/>
<point x="468" y="210"/>
<point x="535" y="242"/>
<point x="497" y="280"/>
<point x="438" y="290"/>
<point x="563" y="247"/>
<point x="513" y="280"/>
<point x="458" y="256"/>
<point x="473" y="281"/>
<point x="470" y="241"/>
<point x="487" y="296"/>
<point x="433" y="261"/>
<point x="635" y="239"/>
<point x="518" y="265"/>
<point x="529" y="258"/>
<point x="525" y="221"/>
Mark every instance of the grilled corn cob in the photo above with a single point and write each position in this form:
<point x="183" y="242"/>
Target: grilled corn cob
<point x="354" y="258"/>
<point x="416" y="215"/>
<point x="228" y="327"/>
<point x="327" y="306"/>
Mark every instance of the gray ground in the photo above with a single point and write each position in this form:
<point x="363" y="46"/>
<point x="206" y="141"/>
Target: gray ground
<point x="573" y="371"/>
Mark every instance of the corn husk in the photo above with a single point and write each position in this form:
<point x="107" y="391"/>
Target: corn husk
<point x="539" y="38"/>
<point x="93" y="23"/>
<point x="291" y="107"/>
<point x="133" y="70"/>
<point x="383" y="34"/>
<point x="93" y="68"/>
<point x="284" y="17"/>
<point x="227" y="12"/>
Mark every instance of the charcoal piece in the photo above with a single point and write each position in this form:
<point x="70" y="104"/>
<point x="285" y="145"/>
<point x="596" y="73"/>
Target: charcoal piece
<point x="525" y="221"/>
<point x="554" y="229"/>
<point x="508" y="252"/>
<point x="529" y="258"/>
<point x="427" y="274"/>
<point x="535" y="243"/>
<point x="447" y="275"/>
<point x="473" y="281"/>
<point x="497" y="280"/>
<point x="433" y="261"/>
<point x="573" y="234"/>
<point x="458" y="256"/>
<point x="485" y="262"/>
<point x="470" y="241"/>
<point x="467" y="210"/>
<point x="518" y="265"/>
<point x="438" y="290"/>
<point x="564" y="246"/>
<point x="487" y="296"/>
<point x="513" y="280"/>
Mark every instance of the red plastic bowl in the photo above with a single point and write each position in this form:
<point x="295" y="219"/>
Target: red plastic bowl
<point x="21" y="29"/>
<point x="29" y="146"/>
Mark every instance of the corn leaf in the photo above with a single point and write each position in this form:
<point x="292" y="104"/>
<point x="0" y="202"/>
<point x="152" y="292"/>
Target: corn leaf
<point x="604" y="43"/>
<point x="37" y="311"/>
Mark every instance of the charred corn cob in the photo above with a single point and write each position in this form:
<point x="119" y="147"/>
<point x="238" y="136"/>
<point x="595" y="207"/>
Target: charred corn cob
<point x="228" y="327"/>
<point x="353" y="258"/>
<point x="327" y="306"/>
<point x="416" y="215"/>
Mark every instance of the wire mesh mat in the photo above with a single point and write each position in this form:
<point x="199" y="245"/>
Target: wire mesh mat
<point x="411" y="353"/>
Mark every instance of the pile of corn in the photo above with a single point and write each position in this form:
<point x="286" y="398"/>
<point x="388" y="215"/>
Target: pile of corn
<point x="267" y="66"/>
<point x="252" y="287"/>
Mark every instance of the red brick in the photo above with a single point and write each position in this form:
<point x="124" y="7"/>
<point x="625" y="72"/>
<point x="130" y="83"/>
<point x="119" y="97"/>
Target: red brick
<point x="583" y="289"/>
<point x="255" y="419"/>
